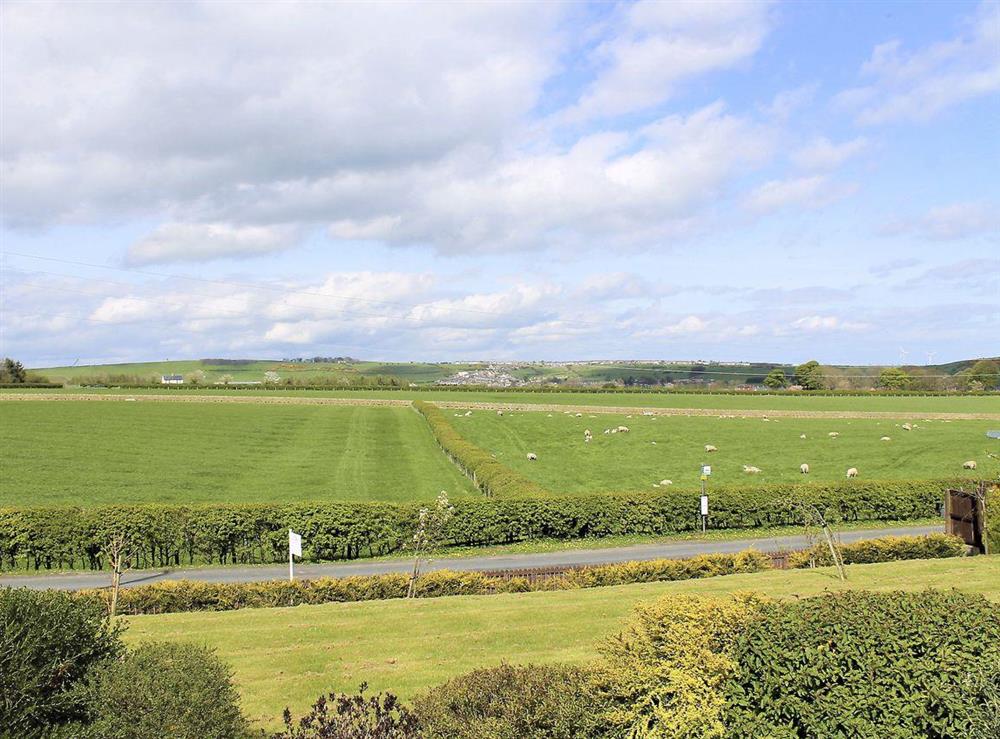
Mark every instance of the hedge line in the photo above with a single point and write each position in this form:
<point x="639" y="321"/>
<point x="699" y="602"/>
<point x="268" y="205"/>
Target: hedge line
<point x="886" y="549"/>
<point x="489" y="475"/>
<point x="186" y="595"/>
<point x="71" y="537"/>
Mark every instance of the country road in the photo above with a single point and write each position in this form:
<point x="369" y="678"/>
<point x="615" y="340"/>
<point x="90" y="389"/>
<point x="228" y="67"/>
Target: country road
<point x="498" y="562"/>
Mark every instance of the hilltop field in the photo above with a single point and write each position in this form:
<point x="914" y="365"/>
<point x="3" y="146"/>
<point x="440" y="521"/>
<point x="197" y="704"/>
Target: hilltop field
<point x="101" y="452"/>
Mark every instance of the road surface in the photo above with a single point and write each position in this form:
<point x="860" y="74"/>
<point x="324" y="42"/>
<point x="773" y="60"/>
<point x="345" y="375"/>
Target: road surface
<point x="570" y="557"/>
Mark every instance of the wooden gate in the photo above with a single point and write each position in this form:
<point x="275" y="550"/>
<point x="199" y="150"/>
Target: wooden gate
<point x="964" y="517"/>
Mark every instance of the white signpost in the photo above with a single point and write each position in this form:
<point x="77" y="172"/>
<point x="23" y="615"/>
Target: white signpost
<point x="294" y="550"/>
<point x="706" y="472"/>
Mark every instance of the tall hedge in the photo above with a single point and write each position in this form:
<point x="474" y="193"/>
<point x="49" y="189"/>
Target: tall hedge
<point x="71" y="537"/>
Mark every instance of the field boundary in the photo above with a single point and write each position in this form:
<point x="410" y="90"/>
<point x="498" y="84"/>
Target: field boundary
<point x="246" y="399"/>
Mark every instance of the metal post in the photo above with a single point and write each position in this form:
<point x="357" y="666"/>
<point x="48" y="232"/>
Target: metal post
<point x="291" y="566"/>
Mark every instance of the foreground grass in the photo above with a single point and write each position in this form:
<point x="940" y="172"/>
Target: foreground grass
<point x="90" y="453"/>
<point x="289" y="656"/>
<point x="672" y="448"/>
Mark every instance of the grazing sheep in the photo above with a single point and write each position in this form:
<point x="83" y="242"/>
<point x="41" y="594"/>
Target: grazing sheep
<point x="970" y="465"/>
<point x="710" y="448"/>
<point x="586" y="432"/>
<point x="653" y="443"/>
<point x="607" y="431"/>
<point x="532" y="456"/>
<point x="499" y="413"/>
<point x="579" y="415"/>
<point x="802" y="436"/>
<point x="853" y="472"/>
<point x="907" y="427"/>
<point x="623" y="429"/>
<point x="886" y="438"/>
<point x="614" y="431"/>
<point x="468" y="413"/>
<point x="833" y="434"/>
<point x="804" y="469"/>
<point x="751" y="470"/>
<point x="666" y="482"/>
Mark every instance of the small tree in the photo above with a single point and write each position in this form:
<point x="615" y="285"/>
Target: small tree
<point x="195" y="378"/>
<point x="430" y="534"/>
<point x="12" y="372"/>
<point x="812" y="519"/>
<point x="120" y="548"/>
<point x="776" y="379"/>
<point x="226" y="379"/>
<point x="894" y="378"/>
<point x="986" y="372"/>
<point x="810" y="375"/>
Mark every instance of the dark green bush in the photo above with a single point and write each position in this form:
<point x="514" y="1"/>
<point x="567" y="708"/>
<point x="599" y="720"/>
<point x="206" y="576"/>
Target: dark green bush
<point x="176" y="690"/>
<point x="69" y="537"/>
<point x="860" y="664"/>
<point x="886" y="549"/>
<point x="48" y="642"/>
<point x="507" y="702"/>
<point x="341" y="716"/>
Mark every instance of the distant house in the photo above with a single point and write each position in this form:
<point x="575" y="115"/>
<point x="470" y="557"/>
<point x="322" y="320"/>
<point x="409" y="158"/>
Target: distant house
<point x="171" y="379"/>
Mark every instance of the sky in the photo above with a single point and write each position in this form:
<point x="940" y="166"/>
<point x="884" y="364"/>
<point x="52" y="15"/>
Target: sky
<point x="502" y="181"/>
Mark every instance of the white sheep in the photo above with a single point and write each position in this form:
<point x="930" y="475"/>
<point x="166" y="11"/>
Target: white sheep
<point x="623" y="429"/>
<point x="853" y="472"/>
<point x="970" y="465"/>
<point x="586" y="432"/>
<point x="886" y="438"/>
<point x="804" y="469"/>
<point x="802" y="436"/>
<point x="833" y="434"/>
<point x="579" y="415"/>
<point x="907" y="427"/>
<point x="607" y="431"/>
<point x="468" y="413"/>
<point x="532" y="456"/>
<point x="499" y="413"/>
<point x="750" y="469"/>
<point x="666" y="482"/>
<point x="614" y="431"/>
<point x="710" y="448"/>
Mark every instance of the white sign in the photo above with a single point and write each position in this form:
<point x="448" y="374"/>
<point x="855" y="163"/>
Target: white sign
<point x="706" y="470"/>
<point x="704" y="505"/>
<point x="294" y="543"/>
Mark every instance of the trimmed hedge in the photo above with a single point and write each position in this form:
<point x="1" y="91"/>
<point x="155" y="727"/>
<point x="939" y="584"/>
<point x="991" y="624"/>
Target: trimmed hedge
<point x="70" y="538"/>
<point x="187" y="595"/>
<point x="886" y="549"/>
<point x="993" y="520"/>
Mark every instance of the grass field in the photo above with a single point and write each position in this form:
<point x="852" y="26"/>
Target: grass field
<point x="910" y="405"/>
<point x="90" y="453"/>
<point x="933" y="449"/>
<point x="288" y="656"/>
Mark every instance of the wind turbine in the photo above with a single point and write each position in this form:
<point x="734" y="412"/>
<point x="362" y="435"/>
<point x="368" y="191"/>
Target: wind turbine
<point x="902" y="355"/>
<point x="930" y="357"/>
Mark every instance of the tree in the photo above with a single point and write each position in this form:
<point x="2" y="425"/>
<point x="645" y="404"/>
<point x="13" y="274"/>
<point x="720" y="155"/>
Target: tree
<point x="776" y="379"/>
<point x="986" y="372"/>
<point x="120" y="548"/>
<point x="894" y="378"/>
<point x="810" y="375"/>
<point x="12" y="372"/>
<point x="431" y="525"/>
<point x="226" y="379"/>
<point x="49" y="640"/>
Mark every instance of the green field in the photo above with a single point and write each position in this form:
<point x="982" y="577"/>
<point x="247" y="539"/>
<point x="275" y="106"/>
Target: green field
<point x="910" y="406"/>
<point x="632" y="461"/>
<point x="56" y="453"/>
<point x="289" y="656"/>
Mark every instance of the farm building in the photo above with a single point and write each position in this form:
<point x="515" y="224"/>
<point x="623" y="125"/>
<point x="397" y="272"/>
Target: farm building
<point x="171" y="379"/>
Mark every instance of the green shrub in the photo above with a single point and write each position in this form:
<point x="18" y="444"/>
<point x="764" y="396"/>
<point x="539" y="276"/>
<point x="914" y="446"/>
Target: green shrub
<point x="508" y="702"/>
<point x="67" y="537"/>
<point x="662" y="675"/>
<point x="357" y="716"/>
<point x="176" y="690"/>
<point x="993" y="519"/>
<point x="983" y="715"/>
<point x="885" y="549"/>
<point x="862" y="664"/>
<point x="48" y="642"/>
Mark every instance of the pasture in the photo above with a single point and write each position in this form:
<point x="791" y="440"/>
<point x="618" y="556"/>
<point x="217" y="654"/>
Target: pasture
<point x="673" y="448"/>
<point x="289" y="656"/>
<point x="85" y="453"/>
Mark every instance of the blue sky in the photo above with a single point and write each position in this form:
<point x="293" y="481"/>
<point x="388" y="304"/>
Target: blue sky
<point x="760" y="181"/>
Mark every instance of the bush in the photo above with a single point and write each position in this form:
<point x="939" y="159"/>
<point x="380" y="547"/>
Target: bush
<point x="663" y="674"/>
<point x="862" y="664"/>
<point x="380" y="716"/>
<point x="993" y="519"/>
<point x="48" y="642"/>
<point x="187" y="595"/>
<point x="886" y="549"/>
<point x="507" y="702"/>
<point x="182" y="691"/>
<point x="984" y="715"/>
<point x="68" y="537"/>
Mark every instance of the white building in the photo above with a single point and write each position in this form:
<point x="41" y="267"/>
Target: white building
<point x="171" y="379"/>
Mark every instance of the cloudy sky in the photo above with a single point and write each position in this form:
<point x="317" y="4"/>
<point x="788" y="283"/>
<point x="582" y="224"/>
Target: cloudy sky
<point x="718" y="180"/>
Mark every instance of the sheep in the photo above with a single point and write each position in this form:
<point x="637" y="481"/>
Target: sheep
<point x="970" y="465"/>
<point x="607" y="431"/>
<point x="750" y="469"/>
<point x="666" y="482"/>
<point x="579" y="415"/>
<point x="623" y="429"/>
<point x="710" y="448"/>
<point x="886" y="438"/>
<point x="802" y="436"/>
<point x="532" y="456"/>
<point x="853" y="472"/>
<point x="907" y="427"/>
<point x="804" y="469"/>
<point x="614" y="431"/>
<point x="586" y="432"/>
<point x="468" y="413"/>
<point x="499" y="413"/>
<point x="833" y="434"/>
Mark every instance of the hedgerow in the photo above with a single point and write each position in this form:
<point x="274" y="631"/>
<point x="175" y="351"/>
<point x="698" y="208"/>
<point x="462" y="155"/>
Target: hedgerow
<point x="885" y="549"/>
<point x="71" y="537"/>
<point x="187" y="595"/>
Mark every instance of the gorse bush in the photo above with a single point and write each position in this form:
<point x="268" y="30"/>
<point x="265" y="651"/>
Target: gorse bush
<point x="185" y="595"/>
<point x="862" y="664"/>
<point x="48" y="642"/>
<point x="70" y="537"/>
<point x="506" y="702"/>
<point x="181" y="691"/>
<point x="885" y="549"/>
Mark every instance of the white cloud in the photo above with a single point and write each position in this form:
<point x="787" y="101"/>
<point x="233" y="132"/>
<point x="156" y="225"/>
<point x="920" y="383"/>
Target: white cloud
<point x="918" y="85"/>
<point x="951" y="222"/>
<point x="823" y="154"/>
<point x="812" y="192"/>
<point x="816" y="324"/>
<point x="200" y="242"/>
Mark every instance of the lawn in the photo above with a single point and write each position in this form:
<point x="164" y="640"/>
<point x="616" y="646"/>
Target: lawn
<point x="288" y="656"/>
<point x="672" y="447"/>
<point x="95" y="453"/>
<point x="903" y="405"/>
